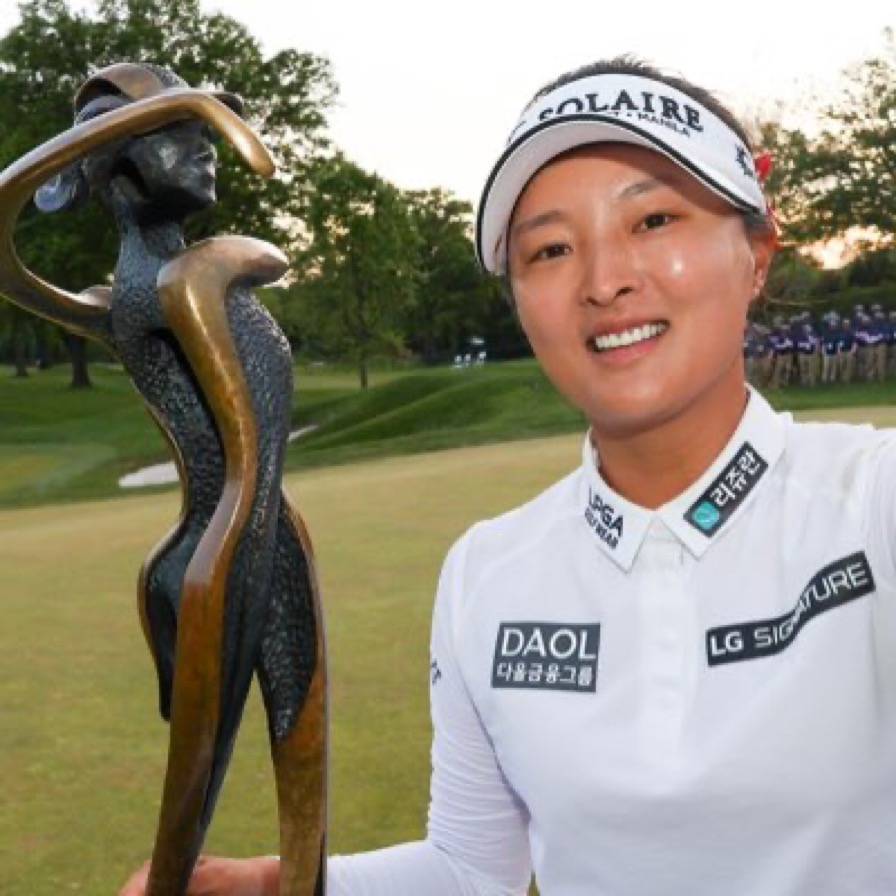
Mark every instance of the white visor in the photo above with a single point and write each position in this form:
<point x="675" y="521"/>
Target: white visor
<point x="622" y="109"/>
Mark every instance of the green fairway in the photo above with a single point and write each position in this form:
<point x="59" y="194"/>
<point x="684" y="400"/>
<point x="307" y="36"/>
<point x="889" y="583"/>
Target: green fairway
<point x="61" y="445"/>
<point x="82" y="747"/>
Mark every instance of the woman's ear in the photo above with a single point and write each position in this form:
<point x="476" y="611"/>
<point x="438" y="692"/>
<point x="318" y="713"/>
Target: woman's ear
<point x="507" y="290"/>
<point x="67" y="190"/>
<point x="763" y="246"/>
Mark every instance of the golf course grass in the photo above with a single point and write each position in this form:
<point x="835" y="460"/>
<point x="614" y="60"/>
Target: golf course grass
<point x="59" y="445"/>
<point x="82" y="749"/>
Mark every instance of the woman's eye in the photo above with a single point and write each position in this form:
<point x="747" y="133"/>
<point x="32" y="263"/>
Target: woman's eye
<point x="657" y="219"/>
<point x="553" y="250"/>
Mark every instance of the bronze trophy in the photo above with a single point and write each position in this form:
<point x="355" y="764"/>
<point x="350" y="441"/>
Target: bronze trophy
<point x="231" y="589"/>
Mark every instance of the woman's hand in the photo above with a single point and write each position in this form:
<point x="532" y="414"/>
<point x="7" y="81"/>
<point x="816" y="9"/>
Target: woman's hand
<point x="220" y="877"/>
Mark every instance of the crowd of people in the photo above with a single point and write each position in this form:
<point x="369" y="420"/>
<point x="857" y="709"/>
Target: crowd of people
<point x="860" y="347"/>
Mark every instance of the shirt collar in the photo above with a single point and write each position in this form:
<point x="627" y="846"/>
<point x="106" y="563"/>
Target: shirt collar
<point x="701" y="513"/>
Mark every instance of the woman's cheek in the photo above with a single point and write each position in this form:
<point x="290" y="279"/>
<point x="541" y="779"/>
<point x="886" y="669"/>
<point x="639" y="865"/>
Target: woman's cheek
<point x="676" y="265"/>
<point x="696" y="268"/>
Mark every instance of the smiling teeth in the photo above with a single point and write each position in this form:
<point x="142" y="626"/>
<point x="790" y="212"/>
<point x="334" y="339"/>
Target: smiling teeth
<point x="629" y="337"/>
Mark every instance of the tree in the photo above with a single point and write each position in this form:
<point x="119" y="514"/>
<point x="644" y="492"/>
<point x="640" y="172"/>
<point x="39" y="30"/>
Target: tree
<point x="357" y="269"/>
<point x="846" y="177"/>
<point x="453" y="295"/>
<point x="17" y="330"/>
<point x="872" y="268"/>
<point x="54" y="48"/>
<point x="792" y="278"/>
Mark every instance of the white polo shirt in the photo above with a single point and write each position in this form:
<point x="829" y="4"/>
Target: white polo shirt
<point x="692" y="701"/>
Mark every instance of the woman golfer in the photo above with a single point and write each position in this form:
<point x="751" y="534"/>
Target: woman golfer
<point x="673" y="673"/>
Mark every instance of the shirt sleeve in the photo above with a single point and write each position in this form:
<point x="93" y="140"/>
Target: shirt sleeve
<point x="477" y="837"/>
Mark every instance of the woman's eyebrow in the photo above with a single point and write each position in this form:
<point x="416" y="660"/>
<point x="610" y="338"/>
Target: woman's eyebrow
<point x="539" y="220"/>
<point x="638" y="188"/>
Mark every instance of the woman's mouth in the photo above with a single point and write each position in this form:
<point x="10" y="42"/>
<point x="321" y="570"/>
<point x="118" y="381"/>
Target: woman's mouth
<point x="609" y="341"/>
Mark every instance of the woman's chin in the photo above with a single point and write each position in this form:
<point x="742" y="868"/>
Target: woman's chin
<point x="631" y="409"/>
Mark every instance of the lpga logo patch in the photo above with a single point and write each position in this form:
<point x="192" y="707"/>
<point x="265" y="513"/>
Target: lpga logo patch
<point x="603" y="519"/>
<point x="547" y="656"/>
<point x="729" y="490"/>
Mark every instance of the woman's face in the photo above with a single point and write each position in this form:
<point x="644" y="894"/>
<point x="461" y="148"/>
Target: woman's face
<point x="632" y="282"/>
<point x="173" y="168"/>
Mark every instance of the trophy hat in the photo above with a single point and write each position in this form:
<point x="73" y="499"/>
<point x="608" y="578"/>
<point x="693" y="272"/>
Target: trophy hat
<point x="127" y="82"/>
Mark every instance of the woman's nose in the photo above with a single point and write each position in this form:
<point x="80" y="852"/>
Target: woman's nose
<point x="610" y="272"/>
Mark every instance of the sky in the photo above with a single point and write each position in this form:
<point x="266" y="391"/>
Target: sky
<point x="430" y="90"/>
